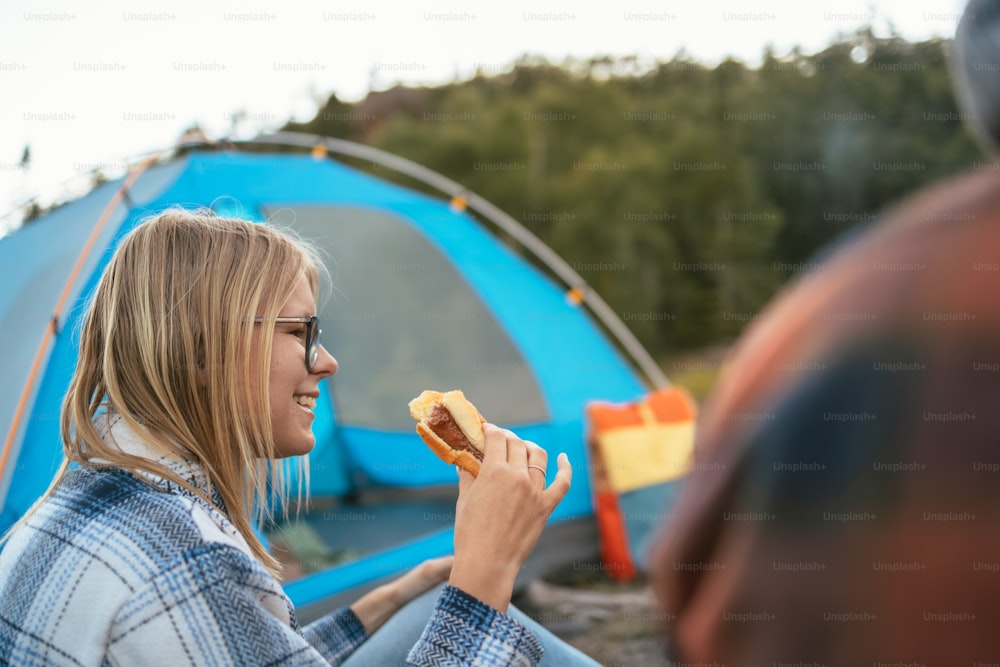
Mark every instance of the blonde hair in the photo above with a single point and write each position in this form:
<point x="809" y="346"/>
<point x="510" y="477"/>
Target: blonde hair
<point x="167" y="344"/>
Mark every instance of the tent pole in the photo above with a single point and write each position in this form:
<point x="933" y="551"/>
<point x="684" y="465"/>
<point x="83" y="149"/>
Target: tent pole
<point x="120" y="195"/>
<point x="535" y="245"/>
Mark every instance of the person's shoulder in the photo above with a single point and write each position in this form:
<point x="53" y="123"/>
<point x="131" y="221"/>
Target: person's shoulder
<point x="112" y="494"/>
<point x="133" y="528"/>
<point x="101" y="528"/>
<point x="112" y="509"/>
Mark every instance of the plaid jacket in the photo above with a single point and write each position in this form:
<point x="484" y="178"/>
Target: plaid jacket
<point x="118" y="570"/>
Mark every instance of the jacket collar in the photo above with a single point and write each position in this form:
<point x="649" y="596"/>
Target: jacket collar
<point x="115" y="431"/>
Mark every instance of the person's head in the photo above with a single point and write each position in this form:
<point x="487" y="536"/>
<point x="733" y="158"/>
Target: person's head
<point x="184" y="339"/>
<point x="851" y="519"/>
<point x="975" y="70"/>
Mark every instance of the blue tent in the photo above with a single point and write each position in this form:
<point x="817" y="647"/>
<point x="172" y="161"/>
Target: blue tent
<point x="425" y="297"/>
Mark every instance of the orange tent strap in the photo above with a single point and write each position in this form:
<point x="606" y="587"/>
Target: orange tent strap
<point x="51" y="329"/>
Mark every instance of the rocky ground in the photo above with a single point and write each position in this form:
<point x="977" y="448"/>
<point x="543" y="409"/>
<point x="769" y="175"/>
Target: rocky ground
<point x="618" y="625"/>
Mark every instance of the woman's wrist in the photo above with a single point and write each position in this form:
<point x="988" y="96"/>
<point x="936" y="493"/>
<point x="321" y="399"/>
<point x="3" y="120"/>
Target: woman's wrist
<point x="491" y="584"/>
<point x="376" y="607"/>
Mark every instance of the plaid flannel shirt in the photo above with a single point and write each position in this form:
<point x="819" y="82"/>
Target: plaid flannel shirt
<point x="118" y="570"/>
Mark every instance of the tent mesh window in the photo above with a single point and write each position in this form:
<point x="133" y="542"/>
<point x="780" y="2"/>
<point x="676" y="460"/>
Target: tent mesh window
<point x="407" y="321"/>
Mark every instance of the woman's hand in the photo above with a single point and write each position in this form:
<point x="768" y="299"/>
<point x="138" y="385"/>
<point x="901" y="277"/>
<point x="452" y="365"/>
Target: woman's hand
<point x="377" y="606"/>
<point x="501" y="513"/>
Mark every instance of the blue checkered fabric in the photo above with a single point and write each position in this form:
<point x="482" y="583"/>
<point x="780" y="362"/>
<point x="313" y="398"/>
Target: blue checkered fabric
<point x="111" y="571"/>
<point x="464" y="631"/>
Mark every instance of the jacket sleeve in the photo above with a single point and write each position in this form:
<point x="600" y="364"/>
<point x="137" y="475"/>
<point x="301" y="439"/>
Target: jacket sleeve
<point x="216" y="606"/>
<point x="465" y="631"/>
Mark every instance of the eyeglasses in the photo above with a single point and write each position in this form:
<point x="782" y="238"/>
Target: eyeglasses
<point x="313" y="333"/>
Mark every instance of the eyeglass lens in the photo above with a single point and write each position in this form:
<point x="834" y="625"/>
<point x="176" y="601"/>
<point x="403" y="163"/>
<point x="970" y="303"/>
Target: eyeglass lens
<point x="312" y="349"/>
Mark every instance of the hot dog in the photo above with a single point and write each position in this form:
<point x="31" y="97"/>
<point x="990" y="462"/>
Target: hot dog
<point x="451" y="426"/>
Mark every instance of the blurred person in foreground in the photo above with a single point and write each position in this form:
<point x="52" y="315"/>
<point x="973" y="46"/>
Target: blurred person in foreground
<point x="844" y="509"/>
<point x="199" y="368"/>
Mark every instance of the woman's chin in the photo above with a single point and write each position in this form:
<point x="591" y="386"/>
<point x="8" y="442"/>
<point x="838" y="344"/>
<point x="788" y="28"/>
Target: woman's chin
<point x="300" y="447"/>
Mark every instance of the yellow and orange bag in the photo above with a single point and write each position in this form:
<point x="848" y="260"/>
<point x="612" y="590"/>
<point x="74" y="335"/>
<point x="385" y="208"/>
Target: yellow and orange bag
<point x="639" y="451"/>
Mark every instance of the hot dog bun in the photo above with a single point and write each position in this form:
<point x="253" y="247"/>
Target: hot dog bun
<point x="451" y="426"/>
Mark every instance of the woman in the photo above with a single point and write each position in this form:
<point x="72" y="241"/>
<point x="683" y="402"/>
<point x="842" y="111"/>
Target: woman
<point x="199" y="368"/>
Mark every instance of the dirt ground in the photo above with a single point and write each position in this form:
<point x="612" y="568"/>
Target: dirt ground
<point x="618" y="625"/>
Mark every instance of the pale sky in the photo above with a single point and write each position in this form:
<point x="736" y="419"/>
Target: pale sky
<point x="89" y="86"/>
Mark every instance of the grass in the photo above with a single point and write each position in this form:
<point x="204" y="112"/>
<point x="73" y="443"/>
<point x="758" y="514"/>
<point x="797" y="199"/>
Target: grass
<point x="696" y="371"/>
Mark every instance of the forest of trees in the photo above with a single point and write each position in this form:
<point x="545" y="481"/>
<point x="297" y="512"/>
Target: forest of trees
<point x="685" y="194"/>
